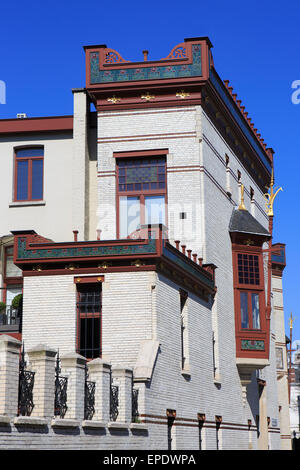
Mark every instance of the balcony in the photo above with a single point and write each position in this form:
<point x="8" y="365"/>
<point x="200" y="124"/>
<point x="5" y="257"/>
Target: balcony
<point x="10" y="320"/>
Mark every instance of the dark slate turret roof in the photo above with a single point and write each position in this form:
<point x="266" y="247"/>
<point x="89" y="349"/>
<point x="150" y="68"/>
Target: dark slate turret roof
<point x="243" y="222"/>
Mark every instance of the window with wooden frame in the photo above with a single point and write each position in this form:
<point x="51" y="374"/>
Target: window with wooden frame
<point x="141" y="193"/>
<point x="28" y="174"/>
<point x="89" y="313"/>
<point x="249" y="299"/>
<point x="250" y="289"/>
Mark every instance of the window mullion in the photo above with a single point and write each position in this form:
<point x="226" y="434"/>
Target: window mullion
<point x="142" y="209"/>
<point x="30" y="179"/>
<point x="250" y="313"/>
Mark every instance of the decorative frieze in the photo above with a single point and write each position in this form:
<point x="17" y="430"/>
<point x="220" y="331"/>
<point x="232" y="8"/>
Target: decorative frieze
<point x="252" y="345"/>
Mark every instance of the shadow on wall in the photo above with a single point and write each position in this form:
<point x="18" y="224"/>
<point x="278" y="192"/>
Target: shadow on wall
<point x="253" y="397"/>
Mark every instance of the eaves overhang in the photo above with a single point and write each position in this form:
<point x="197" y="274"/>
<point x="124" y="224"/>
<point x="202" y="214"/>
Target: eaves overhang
<point x="35" y="125"/>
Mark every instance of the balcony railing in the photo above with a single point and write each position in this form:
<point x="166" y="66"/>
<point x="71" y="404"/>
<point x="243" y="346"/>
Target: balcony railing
<point x="10" y="319"/>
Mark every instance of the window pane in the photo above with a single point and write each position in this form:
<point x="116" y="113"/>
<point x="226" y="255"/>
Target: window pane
<point x="248" y="270"/>
<point x="244" y="309"/>
<point x="37" y="179"/>
<point x="90" y="337"/>
<point x="89" y="312"/>
<point x="154" y="210"/>
<point x="147" y="173"/>
<point x="22" y="180"/>
<point x="30" y="152"/>
<point x="11" y="270"/>
<point x="255" y="311"/>
<point x="129" y="215"/>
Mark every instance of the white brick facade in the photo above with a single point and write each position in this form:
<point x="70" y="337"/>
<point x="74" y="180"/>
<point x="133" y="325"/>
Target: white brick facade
<point x="141" y="330"/>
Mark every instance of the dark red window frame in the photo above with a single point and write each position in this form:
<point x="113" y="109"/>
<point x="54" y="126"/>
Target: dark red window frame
<point x="29" y="159"/>
<point x="89" y="309"/>
<point x="257" y="287"/>
<point x="141" y="193"/>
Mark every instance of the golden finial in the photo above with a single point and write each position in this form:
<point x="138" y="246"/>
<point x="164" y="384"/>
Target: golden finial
<point x="269" y="197"/>
<point x="292" y="320"/>
<point x="242" y="204"/>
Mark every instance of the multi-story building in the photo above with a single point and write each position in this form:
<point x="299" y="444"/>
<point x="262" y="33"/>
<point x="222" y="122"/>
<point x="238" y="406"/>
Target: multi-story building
<point x="48" y="183"/>
<point x="170" y="290"/>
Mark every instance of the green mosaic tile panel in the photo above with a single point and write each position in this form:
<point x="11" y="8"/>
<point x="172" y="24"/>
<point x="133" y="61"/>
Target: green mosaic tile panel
<point x="146" y="73"/>
<point x="253" y="345"/>
<point x="82" y="252"/>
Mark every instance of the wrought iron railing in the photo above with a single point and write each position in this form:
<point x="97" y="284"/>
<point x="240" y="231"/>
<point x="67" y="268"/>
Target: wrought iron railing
<point x="89" y="397"/>
<point x="10" y="317"/>
<point x="26" y="382"/>
<point x="61" y="384"/>
<point x="134" y="402"/>
<point x="114" y="400"/>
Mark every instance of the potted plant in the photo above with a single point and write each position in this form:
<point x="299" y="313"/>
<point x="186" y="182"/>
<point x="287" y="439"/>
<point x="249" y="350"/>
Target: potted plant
<point x="16" y="306"/>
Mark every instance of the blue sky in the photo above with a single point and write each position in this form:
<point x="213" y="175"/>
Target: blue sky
<point x="256" y="46"/>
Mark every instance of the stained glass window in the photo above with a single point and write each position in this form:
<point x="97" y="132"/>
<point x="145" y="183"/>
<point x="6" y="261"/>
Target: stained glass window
<point x="142" y="193"/>
<point x="142" y="174"/>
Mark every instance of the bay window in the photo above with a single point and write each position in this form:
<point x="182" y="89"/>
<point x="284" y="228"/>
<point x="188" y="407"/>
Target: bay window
<point x="250" y="289"/>
<point x="249" y="299"/>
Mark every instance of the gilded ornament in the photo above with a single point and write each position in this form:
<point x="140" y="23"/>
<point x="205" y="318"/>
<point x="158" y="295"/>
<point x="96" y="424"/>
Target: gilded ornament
<point x="114" y="99"/>
<point x="104" y="265"/>
<point x="38" y="267"/>
<point x="270" y="196"/>
<point x="71" y="266"/>
<point x="242" y="203"/>
<point x="147" y="97"/>
<point x="182" y="94"/>
<point x="137" y="263"/>
<point x="292" y="320"/>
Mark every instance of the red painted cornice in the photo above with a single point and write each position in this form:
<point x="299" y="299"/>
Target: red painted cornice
<point x="37" y="124"/>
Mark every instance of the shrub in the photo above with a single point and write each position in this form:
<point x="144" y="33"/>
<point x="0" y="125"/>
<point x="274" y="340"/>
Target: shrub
<point x="17" y="301"/>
